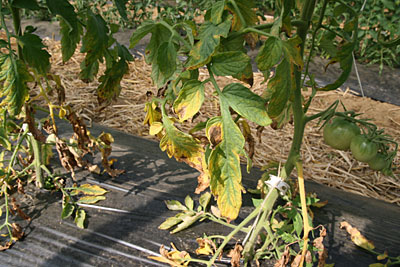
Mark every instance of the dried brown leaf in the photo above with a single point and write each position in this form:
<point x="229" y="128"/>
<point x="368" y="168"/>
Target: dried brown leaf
<point x="235" y="255"/>
<point x="284" y="258"/>
<point x="17" y="231"/>
<point x="357" y="237"/>
<point x="16" y="207"/>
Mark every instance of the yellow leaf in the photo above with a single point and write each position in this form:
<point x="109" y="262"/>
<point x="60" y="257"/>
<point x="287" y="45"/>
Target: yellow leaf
<point x="174" y="258"/>
<point x="379" y="257"/>
<point x="89" y="189"/>
<point x="153" y="114"/>
<point x="206" y="246"/>
<point x="62" y="113"/>
<point x="155" y="128"/>
<point x="90" y="199"/>
<point x="357" y="237"/>
<point x="189" y="100"/>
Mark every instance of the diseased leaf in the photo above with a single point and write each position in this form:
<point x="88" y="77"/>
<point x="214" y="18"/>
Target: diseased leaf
<point x="214" y="131"/>
<point x="33" y="52"/>
<point x="166" y="59"/>
<point x="173" y="258"/>
<point x="246" y="103"/>
<point x="189" y="202"/>
<point x="64" y="9"/>
<point x="291" y="50"/>
<point x="155" y="128"/>
<point x="170" y="222"/>
<point x="270" y="54"/>
<point x="247" y="11"/>
<point x="209" y="38"/>
<point x="229" y="63"/>
<point x="70" y="37"/>
<point x="205" y="200"/>
<point x="89" y="189"/>
<point x="224" y="166"/>
<point x="80" y="217"/>
<point x="187" y="220"/>
<point x="189" y="100"/>
<point x="4" y="140"/>
<point x="88" y="72"/>
<point x="206" y="246"/>
<point x="177" y="143"/>
<point x="121" y="7"/>
<point x="279" y="89"/>
<point x="90" y="199"/>
<point x="153" y="113"/>
<point x="110" y="83"/>
<point x="13" y="78"/>
<point x="67" y="210"/>
<point x="216" y="12"/>
<point x="26" y="4"/>
<point x="357" y="237"/>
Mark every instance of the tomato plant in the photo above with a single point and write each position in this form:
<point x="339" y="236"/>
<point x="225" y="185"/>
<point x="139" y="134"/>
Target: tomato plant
<point x="379" y="162"/>
<point x="340" y="132"/>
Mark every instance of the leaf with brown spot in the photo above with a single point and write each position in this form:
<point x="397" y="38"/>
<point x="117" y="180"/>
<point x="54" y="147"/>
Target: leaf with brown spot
<point x="235" y="255"/>
<point x="318" y="244"/>
<point x="80" y="132"/>
<point x="284" y="258"/>
<point x="15" y="207"/>
<point x="6" y="246"/>
<point x="190" y="99"/>
<point x="174" y="258"/>
<point x="206" y="246"/>
<point x="17" y="232"/>
<point x="357" y="237"/>
<point x="214" y="131"/>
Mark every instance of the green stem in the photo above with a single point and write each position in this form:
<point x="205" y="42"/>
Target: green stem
<point x="37" y="161"/>
<point x="214" y="219"/>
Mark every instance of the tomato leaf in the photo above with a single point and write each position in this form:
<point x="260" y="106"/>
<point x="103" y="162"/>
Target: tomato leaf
<point x="89" y="189"/>
<point x="160" y="34"/>
<point x="209" y="38"/>
<point x="187" y="220"/>
<point x="27" y="4"/>
<point x="70" y="37"/>
<point x="247" y="12"/>
<point x="189" y="203"/>
<point x="270" y="54"/>
<point x="291" y="50"/>
<point x="189" y="100"/>
<point x="170" y="222"/>
<point x="33" y="52"/>
<point x="246" y="103"/>
<point x="120" y="4"/>
<point x="166" y="59"/>
<point x="14" y="75"/>
<point x="144" y="29"/>
<point x="80" y="217"/>
<point x="229" y="63"/>
<point x="279" y="89"/>
<point x="205" y="200"/>
<point x="94" y="42"/>
<point x="110" y="87"/>
<point x="90" y="199"/>
<point x="67" y="210"/>
<point x="4" y="139"/>
<point x="175" y="205"/>
<point x="216" y="12"/>
<point x="224" y="166"/>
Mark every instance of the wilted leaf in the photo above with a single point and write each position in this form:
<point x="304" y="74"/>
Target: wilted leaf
<point x="205" y="200"/>
<point x="67" y="210"/>
<point x="175" y="205"/>
<point x="90" y="199"/>
<point x="70" y="37"/>
<point x="17" y="232"/>
<point x="224" y="167"/>
<point x="382" y="256"/>
<point x="357" y="237"/>
<point x="13" y="76"/>
<point x="6" y="246"/>
<point x="209" y="38"/>
<point x="110" y="83"/>
<point x="229" y="63"/>
<point x="80" y="217"/>
<point x="189" y="100"/>
<point x="285" y="257"/>
<point x="91" y="189"/>
<point x="187" y="220"/>
<point x="246" y="103"/>
<point x="235" y="255"/>
<point x="155" y="128"/>
<point x="33" y="52"/>
<point x="4" y="139"/>
<point x="318" y="244"/>
<point x="170" y="222"/>
<point x="174" y="258"/>
<point x="153" y="113"/>
<point x="206" y="246"/>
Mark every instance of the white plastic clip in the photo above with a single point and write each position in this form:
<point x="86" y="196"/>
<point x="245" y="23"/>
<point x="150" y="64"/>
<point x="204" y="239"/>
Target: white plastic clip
<point x="278" y="183"/>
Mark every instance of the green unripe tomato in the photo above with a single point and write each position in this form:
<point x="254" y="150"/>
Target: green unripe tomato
<point x="339" y="133"/>
<point x="363" y="149"/>
<point x="379" y="162"/>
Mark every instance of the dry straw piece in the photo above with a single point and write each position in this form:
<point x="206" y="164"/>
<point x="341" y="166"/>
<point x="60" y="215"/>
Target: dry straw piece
<point x="321" y="163"/>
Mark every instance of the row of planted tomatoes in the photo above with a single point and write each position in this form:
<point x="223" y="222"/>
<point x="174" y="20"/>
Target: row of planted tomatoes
<point x="369" y="145"/>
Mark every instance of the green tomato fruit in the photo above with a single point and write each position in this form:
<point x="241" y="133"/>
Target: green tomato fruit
<point x="379" y="162"/>
<point x="363" y="149"/>
<point x="339" y="133"/>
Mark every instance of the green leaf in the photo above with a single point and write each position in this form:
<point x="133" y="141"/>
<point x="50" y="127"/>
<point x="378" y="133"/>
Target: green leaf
<point x="26" y="4"/>
<point x="247" y="11"/>
<point x="64" y="9"/>
<point x="279" y="89"/>
<point x="121" y="7"/>
<point x="170" y="222"/>
<point x="246" y="103"/>
<point x="377" y="265"/>
<point x="70" y="37"/>
<point x="175" y="205"/>
<point x="224" y="166"/>
<point x="189" y="202"/>
<point x="177" y="143"/>
<point x="205" y="200"/>
<point x="33" y="52"/>
<point x="144" y="29"/>
<point x="90" y="199"/>
<point x="209" y="39"/>
<point x="110" y="83"/>
<point x="187" y="220"/>
<point x="189" y="100"/>
<point x="216" y="12"/>
<point x="166" y="59"/>
<point x="229" y="63"/>
<point x="13" y="75"/>
<point x="291" y="49"/>
<point x="160" y="34"/>
<point x="80" y="217"/>
<point x="4" y="139"/>
<point x="88" y="72"/>
<point x="298" y="224"/>
<point x="270" y="54"/>
<point x="95" y="41"/>
<point x="67" y="210"/>
<point x="89" y="189"/>
<point x="124" y="53"/>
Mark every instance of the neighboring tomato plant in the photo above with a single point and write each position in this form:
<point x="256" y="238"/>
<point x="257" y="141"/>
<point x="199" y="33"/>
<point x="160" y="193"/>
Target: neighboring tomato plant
<point x="363" y="149"/>
<point x="339" y="133"/>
